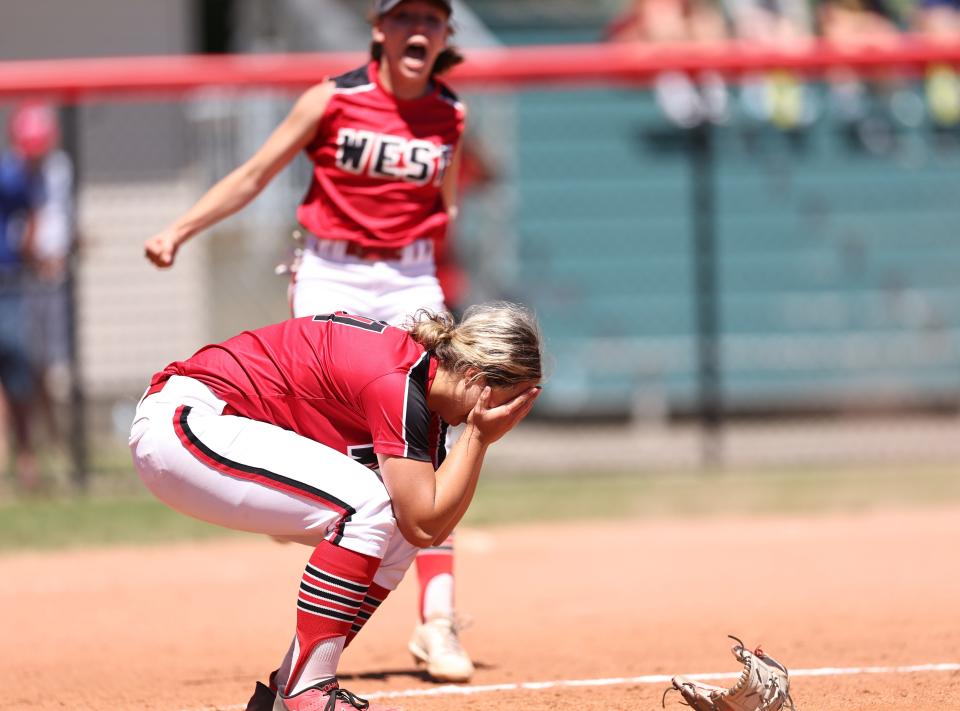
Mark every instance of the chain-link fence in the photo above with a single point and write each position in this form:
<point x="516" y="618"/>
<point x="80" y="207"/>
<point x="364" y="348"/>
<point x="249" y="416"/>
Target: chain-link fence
<point x="782" y="268"/>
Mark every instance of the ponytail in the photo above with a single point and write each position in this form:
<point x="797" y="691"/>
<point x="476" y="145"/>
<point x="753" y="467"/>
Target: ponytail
<point x="433" y="331"/>
<point x="501" y="341"/>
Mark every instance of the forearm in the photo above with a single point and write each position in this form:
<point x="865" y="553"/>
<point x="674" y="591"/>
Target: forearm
<point x="428" y="504"/>
<point x="450" y="186"/>
<point x="229" y="195"/>
<point x="456" y="483"/>
<point x="458" y="515"/>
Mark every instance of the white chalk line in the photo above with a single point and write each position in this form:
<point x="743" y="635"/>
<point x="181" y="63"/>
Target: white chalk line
<point x="451" y="690"/>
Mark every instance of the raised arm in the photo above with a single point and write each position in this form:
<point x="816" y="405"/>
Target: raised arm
<point x="450" y="184"/>
<point x="239" y="187"/>
<point x="427" y="504"/>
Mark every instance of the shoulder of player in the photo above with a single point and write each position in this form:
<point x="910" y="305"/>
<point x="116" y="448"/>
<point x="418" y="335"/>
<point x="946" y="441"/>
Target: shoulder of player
<point x="314" y="100"/>
<point x="356" y="80"/>
<point x="448" y="96"/>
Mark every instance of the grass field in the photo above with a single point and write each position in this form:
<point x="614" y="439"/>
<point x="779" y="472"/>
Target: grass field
<point x="135" y="517"/>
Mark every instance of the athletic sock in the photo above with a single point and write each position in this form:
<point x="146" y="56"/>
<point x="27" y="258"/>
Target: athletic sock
<point x="319" y="665"/>
<point x="332" y="590"/>
<point x="435" y="573"/>
<point x="375" y="597"/>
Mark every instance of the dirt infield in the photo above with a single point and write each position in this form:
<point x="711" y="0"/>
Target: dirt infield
<point x="190" y="627"/>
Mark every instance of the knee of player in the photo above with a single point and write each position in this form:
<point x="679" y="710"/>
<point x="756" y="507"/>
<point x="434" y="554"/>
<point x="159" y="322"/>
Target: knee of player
<point x="375" y="525"/>
<point x="375" y="509"/>
<point x="144" y="449"/>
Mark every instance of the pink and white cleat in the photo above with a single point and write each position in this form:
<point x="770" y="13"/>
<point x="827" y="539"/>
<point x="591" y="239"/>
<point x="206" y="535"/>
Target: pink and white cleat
<point x="325" y="696"/>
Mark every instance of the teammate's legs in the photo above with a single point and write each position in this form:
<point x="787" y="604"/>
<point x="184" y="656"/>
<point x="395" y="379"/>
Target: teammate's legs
<point x="392" y="292"/>
<point x="400" y="290"/>
<point x="435" y="572"/>
<point x="407" y="288"/>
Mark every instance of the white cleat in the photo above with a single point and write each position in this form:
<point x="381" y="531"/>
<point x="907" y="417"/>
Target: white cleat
<point x="436" y="645"/>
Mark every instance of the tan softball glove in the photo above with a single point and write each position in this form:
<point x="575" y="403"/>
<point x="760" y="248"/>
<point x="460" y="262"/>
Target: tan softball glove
<point x="764" y="685"/>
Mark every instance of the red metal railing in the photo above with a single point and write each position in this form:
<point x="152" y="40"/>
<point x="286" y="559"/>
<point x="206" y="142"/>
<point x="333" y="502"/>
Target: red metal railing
<point x="77" y="80"/>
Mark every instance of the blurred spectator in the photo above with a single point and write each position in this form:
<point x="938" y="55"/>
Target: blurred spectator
<point x="778" y="97"/>
<point x="782" y="23"/>
<point x="32" y="132"/>
<point x="684" y="102"/>
<point x="869" y="110"/>
<point x="48" y="304"/>
<point x="856" y="23"/>
<point x="939" y="21"/>
<point x="668" y="21"/>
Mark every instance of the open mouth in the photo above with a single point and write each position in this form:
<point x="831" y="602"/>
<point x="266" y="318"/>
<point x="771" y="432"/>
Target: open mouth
<point x="416" y="52"/>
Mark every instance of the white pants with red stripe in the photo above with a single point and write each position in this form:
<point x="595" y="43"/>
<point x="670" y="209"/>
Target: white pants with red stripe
<point x="253" y="476"/>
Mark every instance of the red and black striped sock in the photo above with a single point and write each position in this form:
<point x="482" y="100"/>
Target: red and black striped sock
<point x="332" y="590"/>
<point x="375" y="596"/>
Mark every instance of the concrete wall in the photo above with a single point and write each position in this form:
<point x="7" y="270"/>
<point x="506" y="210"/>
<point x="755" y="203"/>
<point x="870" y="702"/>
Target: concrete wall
<point x="37" y="29"/>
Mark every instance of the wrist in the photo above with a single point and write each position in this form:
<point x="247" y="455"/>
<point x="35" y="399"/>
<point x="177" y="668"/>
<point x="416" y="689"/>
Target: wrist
<point x="475" y="436"/>
<point x="181" y="233"/>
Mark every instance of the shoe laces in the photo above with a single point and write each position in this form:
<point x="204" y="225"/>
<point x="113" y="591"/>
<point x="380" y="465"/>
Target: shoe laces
<point x="347" y="697"/>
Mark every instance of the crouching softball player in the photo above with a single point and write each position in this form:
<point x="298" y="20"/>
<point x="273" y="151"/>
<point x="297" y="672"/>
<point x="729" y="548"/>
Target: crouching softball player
<point x="329" y="431"/>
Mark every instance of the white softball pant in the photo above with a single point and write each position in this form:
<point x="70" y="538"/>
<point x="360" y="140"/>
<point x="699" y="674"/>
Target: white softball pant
<point x="252" y="476"/>
<point x="327" y="280"/>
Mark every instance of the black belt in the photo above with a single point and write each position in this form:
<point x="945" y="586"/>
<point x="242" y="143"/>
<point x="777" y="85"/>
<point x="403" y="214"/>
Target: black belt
<point x="374" y="254"/>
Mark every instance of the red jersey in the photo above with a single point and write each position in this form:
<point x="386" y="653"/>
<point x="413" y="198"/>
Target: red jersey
<point x="356" y="385"/>
<point x="379" y="163"/>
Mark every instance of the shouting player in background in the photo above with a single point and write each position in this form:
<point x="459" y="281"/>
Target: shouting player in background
<point x="277" y="431"/>
<point x="384" y="140"/>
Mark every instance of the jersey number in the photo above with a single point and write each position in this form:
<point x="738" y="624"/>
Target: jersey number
<point x="364" y="454"/>
<point x="367" y="324"/>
